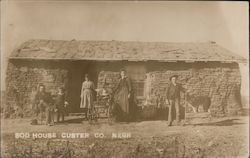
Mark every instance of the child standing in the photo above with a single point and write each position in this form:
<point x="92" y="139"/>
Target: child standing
<point x="61" y="104"/>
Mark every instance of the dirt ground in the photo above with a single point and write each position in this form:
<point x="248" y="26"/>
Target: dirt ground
<point x="216" y="137"/>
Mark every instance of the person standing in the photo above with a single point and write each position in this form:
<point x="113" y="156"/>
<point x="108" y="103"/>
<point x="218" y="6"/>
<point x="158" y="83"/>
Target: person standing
<point x="173" y="98"/>
<point x="87" y="94"/>
<point x="61" y="104"/>
<point x="122" y="95"/>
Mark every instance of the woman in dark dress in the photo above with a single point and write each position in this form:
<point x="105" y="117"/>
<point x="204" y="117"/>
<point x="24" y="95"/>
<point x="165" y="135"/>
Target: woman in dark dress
<point x="122" y="95"/>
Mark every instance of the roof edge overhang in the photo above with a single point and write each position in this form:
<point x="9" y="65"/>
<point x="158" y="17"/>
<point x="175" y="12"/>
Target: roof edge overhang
<point x="135" y="60"/>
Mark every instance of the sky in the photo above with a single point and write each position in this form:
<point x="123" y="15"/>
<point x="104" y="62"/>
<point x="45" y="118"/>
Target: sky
<point x="226" y="23"/>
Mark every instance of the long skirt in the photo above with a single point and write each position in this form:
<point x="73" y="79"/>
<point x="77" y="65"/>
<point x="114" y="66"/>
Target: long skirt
<point x="87" y="99"/>
<point x="121" y="98"/>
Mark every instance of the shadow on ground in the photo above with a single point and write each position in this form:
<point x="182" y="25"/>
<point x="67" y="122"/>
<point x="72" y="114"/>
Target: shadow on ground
<point x="76" y="120"/>
<point x="229" y="122"/>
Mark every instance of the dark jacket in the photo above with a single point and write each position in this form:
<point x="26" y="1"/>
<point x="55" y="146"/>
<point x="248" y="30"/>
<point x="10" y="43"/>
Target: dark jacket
<point x="60" y="100"/>
<point x="43" y="100"/>
<point x="125" y="81"/>
<point x="173" y="92"/>
<point x="43" y="96"/>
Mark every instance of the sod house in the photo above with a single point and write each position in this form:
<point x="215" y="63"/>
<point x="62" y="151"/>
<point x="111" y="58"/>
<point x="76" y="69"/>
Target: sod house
<point x="204" y="69"/>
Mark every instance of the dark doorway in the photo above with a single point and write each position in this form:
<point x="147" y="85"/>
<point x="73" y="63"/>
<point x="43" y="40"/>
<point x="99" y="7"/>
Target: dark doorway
<point x="77" y="71"/>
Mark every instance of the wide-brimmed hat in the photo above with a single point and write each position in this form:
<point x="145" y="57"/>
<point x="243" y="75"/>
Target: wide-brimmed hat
<point x="170" y="78"/>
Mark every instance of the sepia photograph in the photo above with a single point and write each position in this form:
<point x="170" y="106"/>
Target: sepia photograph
<point x="124" y="79"/>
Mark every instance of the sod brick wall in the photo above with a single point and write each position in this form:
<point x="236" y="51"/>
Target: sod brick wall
<point x="221" y="83"/>
<point x="21" y="85"/>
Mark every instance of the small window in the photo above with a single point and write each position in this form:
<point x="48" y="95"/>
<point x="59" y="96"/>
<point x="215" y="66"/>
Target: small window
<point x="137" y="73"/>
<point x="138" y="87"/>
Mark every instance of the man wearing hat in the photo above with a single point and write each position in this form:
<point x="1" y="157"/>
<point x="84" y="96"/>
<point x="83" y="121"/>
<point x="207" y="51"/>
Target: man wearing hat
<point x="173" y="98"/>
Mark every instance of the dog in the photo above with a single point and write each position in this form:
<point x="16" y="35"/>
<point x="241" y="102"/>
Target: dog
<point x="198" y="101"/>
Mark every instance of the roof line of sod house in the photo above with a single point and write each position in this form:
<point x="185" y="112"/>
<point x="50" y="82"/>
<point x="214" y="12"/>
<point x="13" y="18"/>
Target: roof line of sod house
<point x="40" y="49"/>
